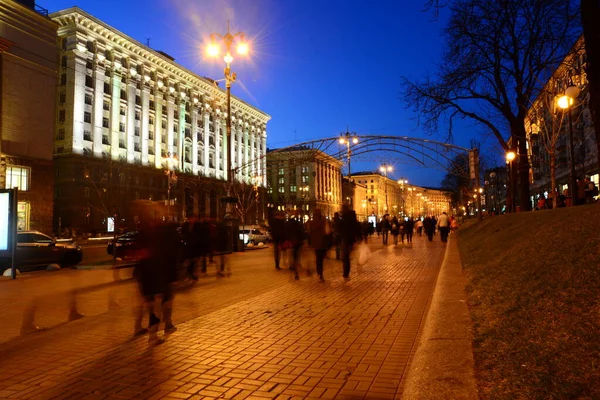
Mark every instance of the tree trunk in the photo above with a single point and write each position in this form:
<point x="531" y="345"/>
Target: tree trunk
<point x="590" y="15"/>
<point x="553" y="179"/>
<point x="519" y="142"/>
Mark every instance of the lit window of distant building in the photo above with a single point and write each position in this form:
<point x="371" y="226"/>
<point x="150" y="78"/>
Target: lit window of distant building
<point x="17" y="177"/>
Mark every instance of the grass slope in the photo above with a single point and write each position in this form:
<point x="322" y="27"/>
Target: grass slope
<point x="533" y="286"/>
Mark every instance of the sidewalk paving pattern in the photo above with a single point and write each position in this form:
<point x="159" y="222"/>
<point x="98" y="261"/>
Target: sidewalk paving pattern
<point x="279" y="339"/>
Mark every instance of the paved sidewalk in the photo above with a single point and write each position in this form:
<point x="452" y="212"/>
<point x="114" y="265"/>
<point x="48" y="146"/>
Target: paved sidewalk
<point x="258" y="334"/>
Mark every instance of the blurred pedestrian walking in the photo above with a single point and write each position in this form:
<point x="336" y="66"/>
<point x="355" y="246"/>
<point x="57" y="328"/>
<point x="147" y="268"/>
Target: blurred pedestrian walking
<point x="429" y="227"/>
<point x="444" y="226"/>
<point x="409" y="228"/>
<point x="318" y="233"/>
<point x="159" y="253"/>
<point x="385" y="228"/>
<point x="294" y="232"/>
<point x="350" y="233"/>
<point x="277" y="224"/>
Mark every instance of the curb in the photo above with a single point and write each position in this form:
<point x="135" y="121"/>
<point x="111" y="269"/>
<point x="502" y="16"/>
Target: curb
<point x="443" y="365"/>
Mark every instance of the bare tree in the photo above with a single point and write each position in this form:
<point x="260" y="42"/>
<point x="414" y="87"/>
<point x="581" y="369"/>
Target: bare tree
<point x="246" y="199"/>
<point x="111" y="187"/>
<point x="497" y="54"/>
<point x="547" y="129"/>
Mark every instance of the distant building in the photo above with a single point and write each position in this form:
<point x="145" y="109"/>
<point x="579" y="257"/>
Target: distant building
<point x="384" y="195"/>
<point x="127" y="115"/>
<point x="302" y="180"/>
<point x="28" y="65"/>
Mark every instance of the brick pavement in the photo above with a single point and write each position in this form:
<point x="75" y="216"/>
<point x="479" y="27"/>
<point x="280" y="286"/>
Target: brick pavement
<point x="284" y="339"/>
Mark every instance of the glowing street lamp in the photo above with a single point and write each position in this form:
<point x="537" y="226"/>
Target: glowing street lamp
<point x="566" y="103"/>
<point x="213" y="50"/>
<point x="348" y="138"/>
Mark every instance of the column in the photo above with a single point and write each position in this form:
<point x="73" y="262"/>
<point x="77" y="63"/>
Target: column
<point x="98" y="110"/>
<point x="195" y="132"/>
<point x="264" y="160"/>
<point x="158" y="107"/>
<point x="79" y="62"/>
<point x="240" y="145"/>
<point x="170" y="123"/>
<point x="181" y="133"/>
<point x="218" y="145"/>
<point x="206" y="143"/>
<point x="251" y="141"/>
<point x="115" y="108"/>
<point x="145" y="123"/>
<point x="247" y="154"/>
<point x="130" y="126"/>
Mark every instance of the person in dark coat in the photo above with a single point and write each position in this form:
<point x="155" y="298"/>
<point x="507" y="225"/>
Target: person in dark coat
<point x="409" y="227"/>
<point x="318" y="230"/>
<point x="277" y="225"/>
<point x="337" y="234"/>
<point x="350" y="233"/>
<point x="294" y="233"/>
<point x="385" y="228"/>
<point x="395" y="229"/>
<point x="429" y="227"/>
<point x="160" y="251"/>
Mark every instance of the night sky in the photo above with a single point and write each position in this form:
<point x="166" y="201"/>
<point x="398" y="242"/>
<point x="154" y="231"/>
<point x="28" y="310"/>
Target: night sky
<point x="317" y="66"/>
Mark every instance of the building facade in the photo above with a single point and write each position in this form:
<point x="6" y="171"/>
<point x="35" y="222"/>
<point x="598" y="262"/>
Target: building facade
<point x="303" y="180"/>
<point x="549" y="128"/>
<point x="28" y="73"/>
<point x="157" y="129"/>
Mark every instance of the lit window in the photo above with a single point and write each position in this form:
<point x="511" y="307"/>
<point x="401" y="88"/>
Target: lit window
<point x="17" y="177"/>
<point x="281" y="189"/>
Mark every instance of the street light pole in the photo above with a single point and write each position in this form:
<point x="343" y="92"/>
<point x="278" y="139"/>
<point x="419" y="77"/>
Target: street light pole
<point x="385" y="168"/>
<point x="230" y="77"/>
<point x="566" y="103"/>
<point x="348" y="138"/>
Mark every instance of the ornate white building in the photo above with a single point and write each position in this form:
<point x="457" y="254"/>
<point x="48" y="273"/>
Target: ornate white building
<point x="123" y="102"/>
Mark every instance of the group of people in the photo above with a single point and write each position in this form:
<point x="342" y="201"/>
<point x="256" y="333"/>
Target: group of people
<point x="586" y="193"/>
<point x="342" y="232"/>
<point x="405" y="227"/>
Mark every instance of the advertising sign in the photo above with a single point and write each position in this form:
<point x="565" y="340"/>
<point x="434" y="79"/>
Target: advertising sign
<point x="110" y="224"/>
<point x="5" y="226"/>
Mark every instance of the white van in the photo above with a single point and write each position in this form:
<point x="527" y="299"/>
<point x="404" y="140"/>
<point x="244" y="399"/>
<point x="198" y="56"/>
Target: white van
<point x="253" y="234"/>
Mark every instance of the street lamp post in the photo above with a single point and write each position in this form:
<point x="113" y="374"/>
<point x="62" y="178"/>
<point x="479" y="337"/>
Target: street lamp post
<point x="213" y="50"/>
<point x="566" y="102"/>
<point x="510" y="157"/>
<point x="403" y="182"/>
<point x="385" y="168"/>
<point x="348" y="138"/>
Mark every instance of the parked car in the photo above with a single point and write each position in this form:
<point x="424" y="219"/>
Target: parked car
<point x="126" y="246"/>
<point x="36" y="250"/>
<point x="253" y="235"/>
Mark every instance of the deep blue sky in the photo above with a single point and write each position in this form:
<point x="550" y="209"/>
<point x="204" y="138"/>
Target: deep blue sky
<point x="317" y="66"/>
